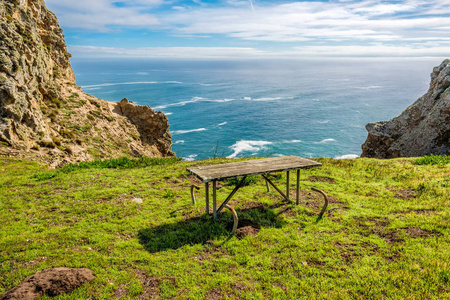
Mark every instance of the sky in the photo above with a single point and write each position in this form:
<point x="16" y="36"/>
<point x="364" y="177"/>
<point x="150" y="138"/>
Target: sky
<point x="251" y="29"/>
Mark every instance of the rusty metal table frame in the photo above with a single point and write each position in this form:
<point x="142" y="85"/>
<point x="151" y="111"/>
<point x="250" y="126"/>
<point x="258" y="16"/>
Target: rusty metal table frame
<point x="263" y="167"/>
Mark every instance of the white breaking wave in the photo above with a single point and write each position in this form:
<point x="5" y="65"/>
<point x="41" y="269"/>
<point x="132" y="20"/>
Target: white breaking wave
<point x="190" y="157"/>
<point x="323" y="122"/>
<point x="168" y="114"/>
<point x="176" y="82"/>
<point x="221" y="124"/>
<point x="179" y="142"/>
<point x="201" y="99"/>
<point x="292" y="141"/>
<point x="325" y="141"/>
<point x="193" y="100"/>
<point x="272" y="98"/>
<point x="347" y="156"/>
<point x="187" y="131"/>
<point x="248" y="146"/>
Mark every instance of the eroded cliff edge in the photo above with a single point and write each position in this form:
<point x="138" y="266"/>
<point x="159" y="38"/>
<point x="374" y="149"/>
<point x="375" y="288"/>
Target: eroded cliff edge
<point x="43" y="113"/>
<point x="421" y="129"/>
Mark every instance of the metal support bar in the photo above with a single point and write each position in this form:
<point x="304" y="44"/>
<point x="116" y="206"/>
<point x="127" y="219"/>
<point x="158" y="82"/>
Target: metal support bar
<point x="238" y="186"/>
<point x="298" y="187"/>
<point x="207" y="197"/>
<point x="267" y="187"/>
<point x="235" y="218"/>
<point x="275" y="187"/>
<point x="324" y="208"/>
<point x="214" y="199"/>
<point x="287" y="185"/>
<point x="192" y="193"/>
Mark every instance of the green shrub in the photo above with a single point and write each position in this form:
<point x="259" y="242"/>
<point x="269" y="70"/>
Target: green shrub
<point x="433" y="160"/>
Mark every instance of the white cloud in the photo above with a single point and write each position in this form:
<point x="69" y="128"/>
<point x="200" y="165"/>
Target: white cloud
<point x="299" y="21"/>
<point x="98" y="15"/>
<point x="338" y="28"/>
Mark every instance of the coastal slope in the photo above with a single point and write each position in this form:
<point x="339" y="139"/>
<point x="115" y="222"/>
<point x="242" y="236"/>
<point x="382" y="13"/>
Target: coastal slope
<point x="421" y="129"/>
<point x="44" y="115"/>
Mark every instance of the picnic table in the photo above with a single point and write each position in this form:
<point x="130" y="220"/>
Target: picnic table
<point x="242" y="169"/>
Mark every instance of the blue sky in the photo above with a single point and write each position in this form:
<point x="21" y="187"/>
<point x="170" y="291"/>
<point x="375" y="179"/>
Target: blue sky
<point x="246" y="29"/>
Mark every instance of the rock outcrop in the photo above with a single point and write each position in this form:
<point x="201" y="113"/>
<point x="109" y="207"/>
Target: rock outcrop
<point x="43" y="113"/>
<point x="422" y="129"/>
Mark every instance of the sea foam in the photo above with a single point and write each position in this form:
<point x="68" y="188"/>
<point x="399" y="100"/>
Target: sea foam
<point x="190" y="157"/>
<point x="248" y="146"/>
<point x="326" y="141"/>
<point x="188" y="131"/>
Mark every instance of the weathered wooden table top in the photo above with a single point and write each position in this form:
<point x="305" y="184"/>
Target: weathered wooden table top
<point x="252" y="167"/>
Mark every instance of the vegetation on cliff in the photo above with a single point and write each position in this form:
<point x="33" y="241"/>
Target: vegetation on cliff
<point x="386" y="233"/>
<point x="45" y="116"/>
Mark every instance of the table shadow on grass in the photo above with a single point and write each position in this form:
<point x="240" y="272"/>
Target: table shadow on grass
<point x="199" y="230"/>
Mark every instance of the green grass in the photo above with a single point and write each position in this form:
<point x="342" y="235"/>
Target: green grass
<point x="385" y="234"/>
<point x="433" y="160"/>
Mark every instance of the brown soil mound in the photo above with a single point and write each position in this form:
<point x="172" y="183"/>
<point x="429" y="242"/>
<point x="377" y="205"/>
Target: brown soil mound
<point x="247" y="227"/>
<point x="51" y="282"/>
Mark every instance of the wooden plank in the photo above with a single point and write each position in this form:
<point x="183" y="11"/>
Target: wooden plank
<point x="252" y="167"/>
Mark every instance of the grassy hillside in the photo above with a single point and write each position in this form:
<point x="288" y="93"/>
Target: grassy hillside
<point x="386" y="233"/>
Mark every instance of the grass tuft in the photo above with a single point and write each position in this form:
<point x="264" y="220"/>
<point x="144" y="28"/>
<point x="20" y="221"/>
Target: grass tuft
<point x="433" y="160"/>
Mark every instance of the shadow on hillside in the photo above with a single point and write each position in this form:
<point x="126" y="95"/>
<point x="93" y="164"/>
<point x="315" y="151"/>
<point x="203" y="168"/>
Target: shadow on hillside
<point x="199" y="230"/>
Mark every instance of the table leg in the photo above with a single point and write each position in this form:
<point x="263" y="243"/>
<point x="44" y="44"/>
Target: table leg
<point x="214" y="199"/>
<point x="287" y="185"/>
<point x="207" y="197"/>
<point x="298" y="186"/>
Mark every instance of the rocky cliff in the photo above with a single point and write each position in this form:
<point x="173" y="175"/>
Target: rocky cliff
<point x="422" y="129"/>
<point x="45" y="115"/>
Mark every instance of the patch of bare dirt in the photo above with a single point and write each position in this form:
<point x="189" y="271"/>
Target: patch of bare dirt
<point x="378" y="226"/>
<point x="51" y="282"/>
<point x="315" y="262"/>
<point x="416" y="232"/>
<point x="120" y="292"/>
<point x="246" y="228"/>
<point x="150" y="285"/>
<point x="321" y="179"/>
<point x="239" y="287"/>
<point x="405" y="194"/>
<point x="216" y="294"/>
<point x="35" y="261"/>
<point x="417" y="211"/>
<point x="348" y="252"/>
<point x="252" y="205"/>
<point x="394" y="257"/>
<point x="316" y="201"/>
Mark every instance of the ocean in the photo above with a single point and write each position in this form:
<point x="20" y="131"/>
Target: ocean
<point x="262" y="108"/>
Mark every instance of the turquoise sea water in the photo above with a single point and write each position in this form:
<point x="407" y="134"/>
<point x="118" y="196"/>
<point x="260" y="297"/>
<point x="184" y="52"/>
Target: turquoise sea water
<point x="264" y="108"/>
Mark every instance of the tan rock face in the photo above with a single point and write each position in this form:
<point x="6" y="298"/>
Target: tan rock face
<point x="422" y="129"/>
<point x="45" y="115"/>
